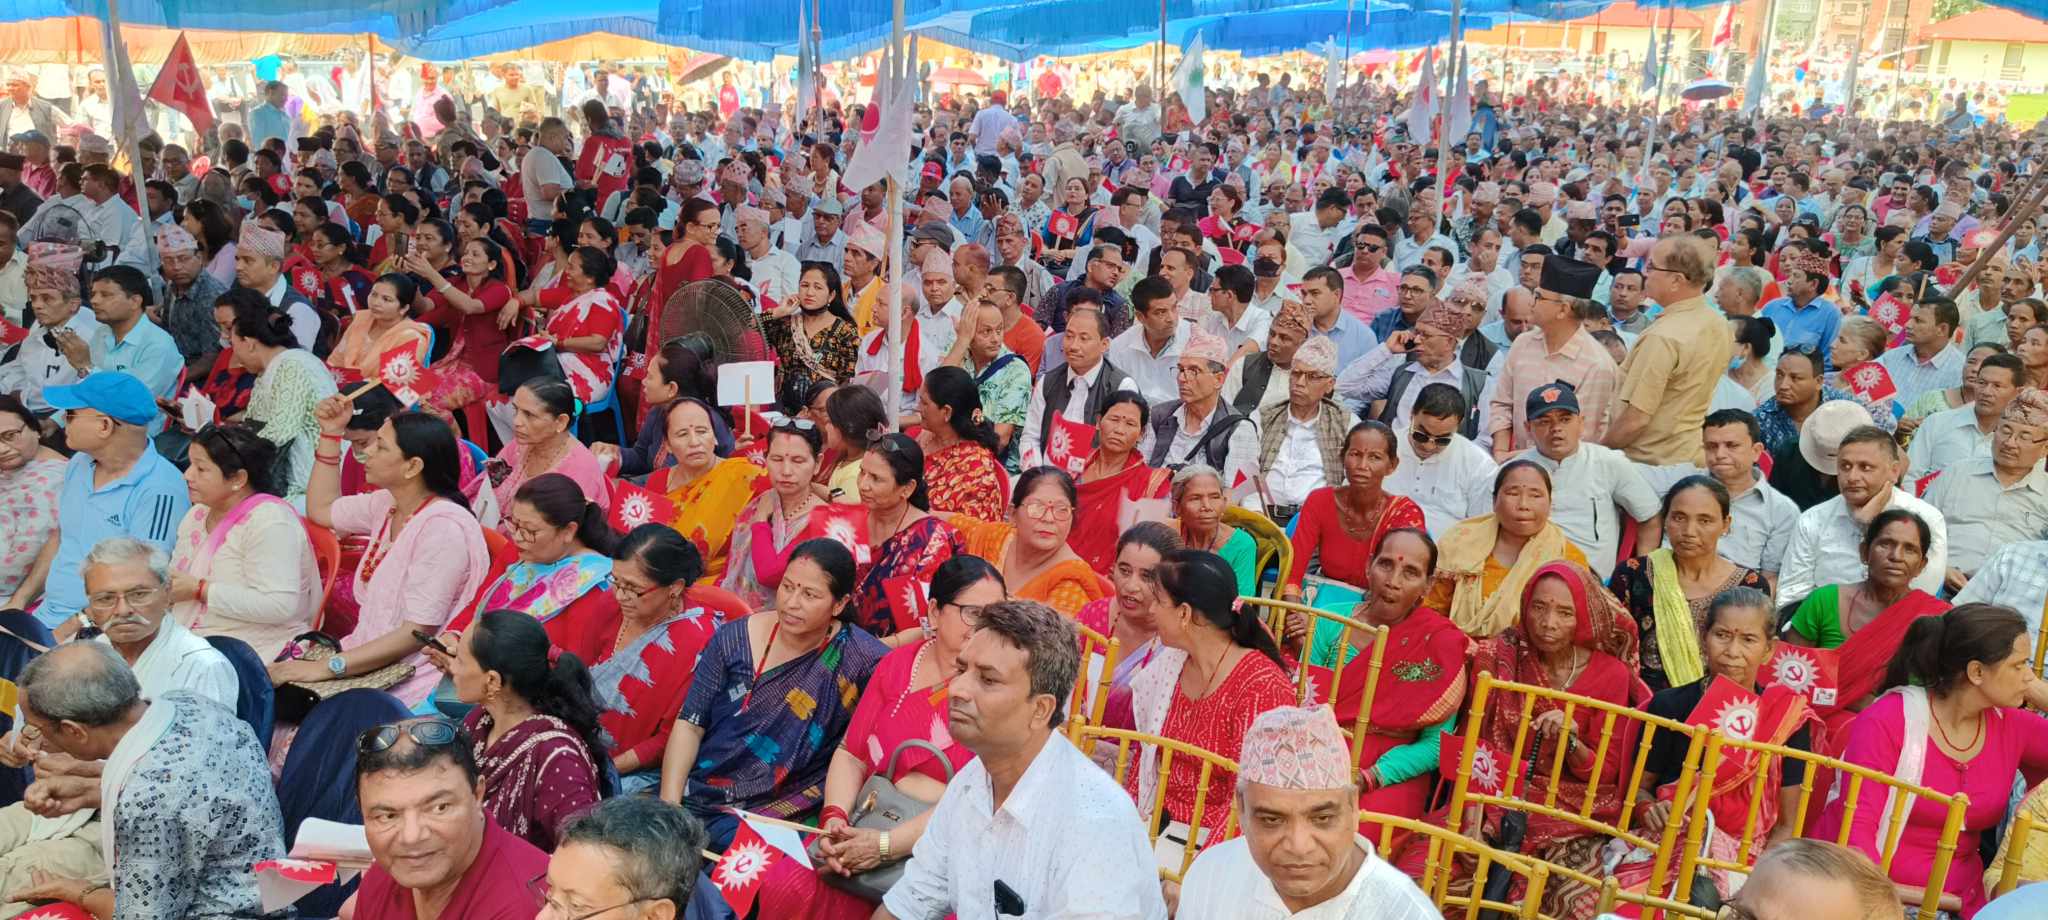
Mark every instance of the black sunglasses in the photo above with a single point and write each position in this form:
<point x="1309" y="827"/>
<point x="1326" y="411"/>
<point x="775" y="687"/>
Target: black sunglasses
<point x="433" y="732"/>
<point x="1425" y="438"/>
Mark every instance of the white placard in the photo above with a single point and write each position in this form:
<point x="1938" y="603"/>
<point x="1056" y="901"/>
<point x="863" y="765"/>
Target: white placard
<point x="197" y="409"/>
<point x="746" y="383"/>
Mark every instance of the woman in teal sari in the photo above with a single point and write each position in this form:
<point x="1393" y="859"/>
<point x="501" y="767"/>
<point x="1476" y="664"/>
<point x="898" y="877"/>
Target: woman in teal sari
<point x="1198" y="502"/>
<point x="564" y="573"/>
<point x="771" y="698"/>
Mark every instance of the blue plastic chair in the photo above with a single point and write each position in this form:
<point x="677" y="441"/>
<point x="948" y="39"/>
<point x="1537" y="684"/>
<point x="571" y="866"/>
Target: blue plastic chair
<point x="319" y="776"/>
<point x="610" y="402"/>
<point x="15" y="654"/>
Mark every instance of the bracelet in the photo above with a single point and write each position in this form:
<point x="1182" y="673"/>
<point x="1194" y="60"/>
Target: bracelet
<point x="324" y="436"/>
<point x="882" y="846"/>
<point x="826" y="814"/>
<point x="200" y="592"/>
<point x="328" y="459"/>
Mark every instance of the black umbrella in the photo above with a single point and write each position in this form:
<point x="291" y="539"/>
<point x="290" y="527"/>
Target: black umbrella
<point x="1513" y="825"/>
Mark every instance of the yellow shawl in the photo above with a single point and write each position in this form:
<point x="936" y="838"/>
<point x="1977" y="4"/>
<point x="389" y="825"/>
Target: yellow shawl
<point x="709" y="508"/>
<point x="1464" y="553"/>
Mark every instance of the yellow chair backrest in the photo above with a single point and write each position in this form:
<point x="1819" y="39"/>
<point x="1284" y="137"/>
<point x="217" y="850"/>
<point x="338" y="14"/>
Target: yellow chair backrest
<point x="1275" y="549"/>
<point x="1091" y="686"/>
<point x="1372" y="643"/>
<point x="1625" y="736"/>
<point x="2016" y="838"/>
<point x="1612" y="897"/>
<point x="1856" y="783"/>
<point x="1445" y="848"/>
<point x="2041" y="642"/>
<point x="1214" y="766"/>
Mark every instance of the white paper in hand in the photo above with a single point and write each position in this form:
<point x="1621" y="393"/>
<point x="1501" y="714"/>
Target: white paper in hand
<point x="332" y="841"/>
<point x="197" y="409"/>
<point x="746" y="383"/>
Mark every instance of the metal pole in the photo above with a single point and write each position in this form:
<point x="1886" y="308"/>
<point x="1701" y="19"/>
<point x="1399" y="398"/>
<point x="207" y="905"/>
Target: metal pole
<point x="894" y="400"/>
<point x="1347" y="33"/>
<point x="1159" y="72"/>
<point x="1443" y="110"/>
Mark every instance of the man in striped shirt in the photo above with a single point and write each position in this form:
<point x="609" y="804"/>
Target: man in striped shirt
<point x="115" y="486"/>
<point x="1929" y="359"/>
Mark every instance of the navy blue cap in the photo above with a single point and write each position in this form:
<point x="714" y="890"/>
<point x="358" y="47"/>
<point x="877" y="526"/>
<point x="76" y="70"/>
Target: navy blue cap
<point x="114" y="394"/>
<point x="1552" y="397"/>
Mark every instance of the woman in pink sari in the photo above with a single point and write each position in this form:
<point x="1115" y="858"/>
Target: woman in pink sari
<point x="1126" y="616"/>
<point x="1951" y="720"/>
<point x="542" y="409"/>
<point x="899" y="727"/>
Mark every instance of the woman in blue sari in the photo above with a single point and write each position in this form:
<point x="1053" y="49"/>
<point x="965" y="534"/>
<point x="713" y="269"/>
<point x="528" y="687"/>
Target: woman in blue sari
<point x="770" y="699"/>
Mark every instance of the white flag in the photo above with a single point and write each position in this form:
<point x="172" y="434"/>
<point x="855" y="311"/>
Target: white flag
<point x="1759" y="84"/>
<point x="131" y="122"/>
<point x="1458" y="114"/>
<point x="896" y="87"/>
<point x="1650" y="63"/>
<point x="1333" y="68"/>
<point x="1187" y="81"/>
<point x="1424" y="105"/>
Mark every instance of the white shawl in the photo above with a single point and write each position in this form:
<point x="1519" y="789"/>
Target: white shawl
<point x="1151" y="697"/>
<point x="155" y="721"/>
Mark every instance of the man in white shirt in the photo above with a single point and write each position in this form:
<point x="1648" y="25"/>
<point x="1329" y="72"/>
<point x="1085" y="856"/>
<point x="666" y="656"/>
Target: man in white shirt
<point x="1231" y="316"/>
<point x="1952" y="436"/>
<point x="938" y="321"/>
<point x="259" y="260"/>
<point x="1441" y="470"/>
<point x="542" y="177"/>
<point x="1138" y="122"/>
<point x="775" y="271"/>
<point x="1302" y="443"/>
<point x="1485" y="264"/>
<point x="1316" y="233"/>
<point x="1301" y="854"/>
<point x="1865" y="463"/>
<point x="1150" y="350"/>
<point x="110" y="220"/>
<point x="2000" y="497"/>
<point x="1030" y="827"/>
<point x="1588" y="480"/>
<point x="55" y="302"/>
<point x="1385" y="383"/>
<point x="1078" y="387"/>
<point x="990" y="123"/>
<point x="1424" y="231"/>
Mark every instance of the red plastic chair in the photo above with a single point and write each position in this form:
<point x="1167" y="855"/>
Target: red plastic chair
<point x="327" y="558"/>
<point x="503" y="554"/>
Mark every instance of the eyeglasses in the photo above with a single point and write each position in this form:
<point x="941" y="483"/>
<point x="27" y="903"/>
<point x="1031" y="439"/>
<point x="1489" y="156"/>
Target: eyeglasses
<point x="970" y="614"/>
<point x="1425" y="439"/>
<point x="798" y="424"/>
<point x="520" y="531"/>
<point x="135" y="597"/>
<point x="431" y="732"/>
<point x="1370" y="247"/>
<point x="542" y="892"/>
<point x="1659" y="268"/>
<point x="1047" y="511"/>
<point x="627" y="591"/>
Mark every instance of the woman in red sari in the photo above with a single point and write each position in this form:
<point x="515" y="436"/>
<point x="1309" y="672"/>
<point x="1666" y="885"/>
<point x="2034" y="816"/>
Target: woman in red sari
<point x="960" y="447"/>
<point x="1114" y="477"/>
<point x="605" y="164"/>
<point x="1575" y="637"/>
<point x="904" y="702"/>
<point x="686" y="260"/>
<point x="1341" y="526"/>
<point x="1217" y="671"/>
<point x="1422" y="679"/>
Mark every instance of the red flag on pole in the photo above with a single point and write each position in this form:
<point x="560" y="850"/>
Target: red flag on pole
<point x="179" y="86"/>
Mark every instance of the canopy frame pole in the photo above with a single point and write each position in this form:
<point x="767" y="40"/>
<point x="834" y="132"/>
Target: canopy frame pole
<point x="1443" y="111"/>
<point x="1159" y="72"/>
<point x="116" y="55"/>
<point x="893" y="402"/>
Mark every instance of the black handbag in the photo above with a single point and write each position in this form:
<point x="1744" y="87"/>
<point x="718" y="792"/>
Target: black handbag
<point x="881" y="807"/>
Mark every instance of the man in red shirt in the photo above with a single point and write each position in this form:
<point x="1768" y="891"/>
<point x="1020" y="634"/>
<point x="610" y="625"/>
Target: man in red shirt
<point x="436" y="853"/>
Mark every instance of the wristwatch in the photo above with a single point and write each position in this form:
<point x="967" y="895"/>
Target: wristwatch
<point x="337" y="666"/>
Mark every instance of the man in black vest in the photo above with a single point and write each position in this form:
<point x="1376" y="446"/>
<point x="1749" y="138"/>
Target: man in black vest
<point x="1200" y="427"/>
<point x="1261" y="378"/>
<point x="1383" y="384"/>
<point x="1076" y="388"/>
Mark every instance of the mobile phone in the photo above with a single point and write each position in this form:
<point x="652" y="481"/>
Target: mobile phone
<point x="1631" y="220"/>
<point x="431" y="642"/>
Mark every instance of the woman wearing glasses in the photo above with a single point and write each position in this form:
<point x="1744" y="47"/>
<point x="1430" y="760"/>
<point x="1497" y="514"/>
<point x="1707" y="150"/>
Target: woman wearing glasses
<point x="643" y="671"/>
<point x="909" y="542"/>
<point x="535" y="725"/>
<point x="900" y="720"/>
<point x="772" y="522"/>
<point x="242" y="565"/>
<point x="709" y="491"/>
<point x="1031" y="548"/>
<point x="686" y="260"/>
<point x="563" y="569"/>
<point x="771" y="698"/>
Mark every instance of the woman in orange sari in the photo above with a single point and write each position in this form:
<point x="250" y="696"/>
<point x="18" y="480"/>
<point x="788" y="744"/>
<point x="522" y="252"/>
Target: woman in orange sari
<point x="959" y="447"/>
<point x="1031" y="549"/>
<point x="1114" y="476"/>
<point x="709" y="491"/>
<point x="1574" y="637"/>
<point x="384" y="324"/>
<point x="1422" y="679"/>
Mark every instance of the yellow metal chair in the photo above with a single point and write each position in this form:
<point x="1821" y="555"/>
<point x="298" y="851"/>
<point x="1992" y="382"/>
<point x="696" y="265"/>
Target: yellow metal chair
<point x="1091" y="692"/>
<point x="2009" y="870"/>
<point x="1855" y="782"/>
<point x="1213" y="767"/>
<point x="1612" y="897"/>
<point x="1275" y="549"/>
<point x="1614" y="725"/>
<point x="1445" y="847"/>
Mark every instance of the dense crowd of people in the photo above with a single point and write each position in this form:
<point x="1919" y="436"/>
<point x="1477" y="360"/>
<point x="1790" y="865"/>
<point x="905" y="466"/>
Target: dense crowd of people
<point x="401" y="449"/>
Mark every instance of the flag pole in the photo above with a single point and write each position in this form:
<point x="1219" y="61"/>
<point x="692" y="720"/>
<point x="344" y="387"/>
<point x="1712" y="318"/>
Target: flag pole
<point x="1657" y="100"/>
<point x="1443" y="117"/>
<point x="116" y="55"/>
<point x="894" y="279"/>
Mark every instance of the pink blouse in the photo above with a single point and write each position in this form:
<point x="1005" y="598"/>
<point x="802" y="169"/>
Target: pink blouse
<point x="2015" y="741"/>
<point x="425" y="575"/>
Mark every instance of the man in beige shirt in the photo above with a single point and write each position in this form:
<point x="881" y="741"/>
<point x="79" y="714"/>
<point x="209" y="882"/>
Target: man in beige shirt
<point x="1667" y="383"/>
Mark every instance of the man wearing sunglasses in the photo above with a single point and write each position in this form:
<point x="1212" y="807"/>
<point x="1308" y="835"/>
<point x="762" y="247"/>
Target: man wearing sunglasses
<point x="1369" y="285"/>
<point x="435" y="851"/>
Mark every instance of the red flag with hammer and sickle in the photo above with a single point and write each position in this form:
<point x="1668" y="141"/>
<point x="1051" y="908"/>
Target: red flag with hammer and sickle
<point x="178" y="86"/>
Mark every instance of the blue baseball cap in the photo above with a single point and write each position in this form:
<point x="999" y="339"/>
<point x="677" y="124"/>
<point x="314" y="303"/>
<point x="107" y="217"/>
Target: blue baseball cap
<point x="114" y="394"/>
